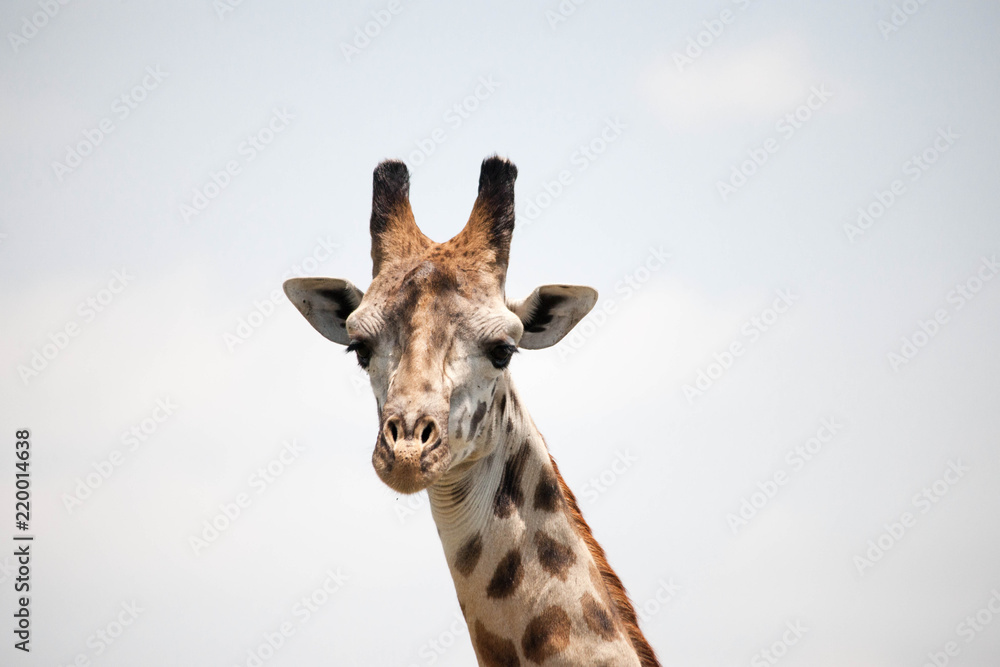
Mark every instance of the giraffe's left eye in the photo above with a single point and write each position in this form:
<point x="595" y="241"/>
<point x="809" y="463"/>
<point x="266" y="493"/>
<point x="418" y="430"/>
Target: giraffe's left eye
<point x="500" y="354"/>
<point x="363" y="351"/>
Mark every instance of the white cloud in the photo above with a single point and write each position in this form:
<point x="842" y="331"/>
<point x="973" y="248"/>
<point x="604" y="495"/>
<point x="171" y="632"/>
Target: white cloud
<point x="726" y="85"/>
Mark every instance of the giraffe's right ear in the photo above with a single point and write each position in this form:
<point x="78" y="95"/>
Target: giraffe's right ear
<point x="550" y="312"/>
<point x="325" y="303"/>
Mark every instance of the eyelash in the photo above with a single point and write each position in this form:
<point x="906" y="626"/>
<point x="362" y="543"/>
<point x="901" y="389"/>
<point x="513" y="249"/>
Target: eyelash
<point x="506" y="348"/>
<point x="360" y="347"/>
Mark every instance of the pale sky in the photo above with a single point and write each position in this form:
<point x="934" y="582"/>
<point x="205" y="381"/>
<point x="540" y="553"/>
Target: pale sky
<point x="790" y="213"/>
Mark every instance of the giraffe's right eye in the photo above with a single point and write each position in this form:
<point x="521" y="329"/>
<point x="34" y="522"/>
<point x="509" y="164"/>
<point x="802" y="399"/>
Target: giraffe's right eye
<point x="363" y="351"/>
<point x="500" y="354"/>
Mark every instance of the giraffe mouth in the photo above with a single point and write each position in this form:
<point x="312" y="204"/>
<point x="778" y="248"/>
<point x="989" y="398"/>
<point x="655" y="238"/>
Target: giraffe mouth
<point x="408" y="465"/>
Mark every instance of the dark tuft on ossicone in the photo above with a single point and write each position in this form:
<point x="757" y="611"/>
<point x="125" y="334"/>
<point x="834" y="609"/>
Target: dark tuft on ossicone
<point x="390" y="188"/>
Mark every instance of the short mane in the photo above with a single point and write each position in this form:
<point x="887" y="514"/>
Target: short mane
<point x="615" y="587"/>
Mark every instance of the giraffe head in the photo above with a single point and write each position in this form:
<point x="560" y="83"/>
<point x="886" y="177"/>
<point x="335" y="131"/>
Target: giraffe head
<point x="434" y="330"/>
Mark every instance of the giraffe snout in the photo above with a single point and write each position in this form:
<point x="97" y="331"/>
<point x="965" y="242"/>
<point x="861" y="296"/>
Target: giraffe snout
<point x="411" y="452"/>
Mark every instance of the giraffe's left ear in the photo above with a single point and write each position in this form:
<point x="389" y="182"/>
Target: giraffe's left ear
<point x="551" y="312"/>
<point x="325" y="303"/>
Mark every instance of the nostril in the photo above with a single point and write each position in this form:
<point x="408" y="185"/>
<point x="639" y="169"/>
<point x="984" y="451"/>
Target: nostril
<point x="391" y="430"/>
<point x="426" y="434"/>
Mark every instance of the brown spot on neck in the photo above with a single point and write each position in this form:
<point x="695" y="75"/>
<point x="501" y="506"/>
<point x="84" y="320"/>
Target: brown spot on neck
<point x="547" y="494"/>
<point x="468" y="555"/>
<point x="554" y="557"/>
<point x="546" y="635"/>
<point x="493" y="650"/>
<point x="509" y="496"/>
<point x="507" y="576"/>
<point x="598" y="618"/>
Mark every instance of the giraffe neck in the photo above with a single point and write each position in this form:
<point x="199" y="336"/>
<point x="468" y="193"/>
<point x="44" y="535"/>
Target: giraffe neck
<point x="529" y="581"/>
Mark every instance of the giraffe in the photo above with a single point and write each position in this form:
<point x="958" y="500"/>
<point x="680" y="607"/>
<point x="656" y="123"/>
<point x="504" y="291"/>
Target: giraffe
<point x="435" y="334"/>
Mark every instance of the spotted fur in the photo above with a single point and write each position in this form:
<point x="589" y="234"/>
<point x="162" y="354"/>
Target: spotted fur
<point x="554" y="557"/>
<point x="546" y="635"/>
<point x="547" y="494"/>
<point x="597" y="617"/>
<point x="509" y="496"/>
<point x="494" y="650"/>
<point x="506" y="577"/>
<point x="468" y="555"/>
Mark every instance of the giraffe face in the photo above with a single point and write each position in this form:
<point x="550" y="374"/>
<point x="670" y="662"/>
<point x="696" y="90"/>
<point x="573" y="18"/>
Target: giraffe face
<point x="434" y="332"/>
<point x="435" y="338"/>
